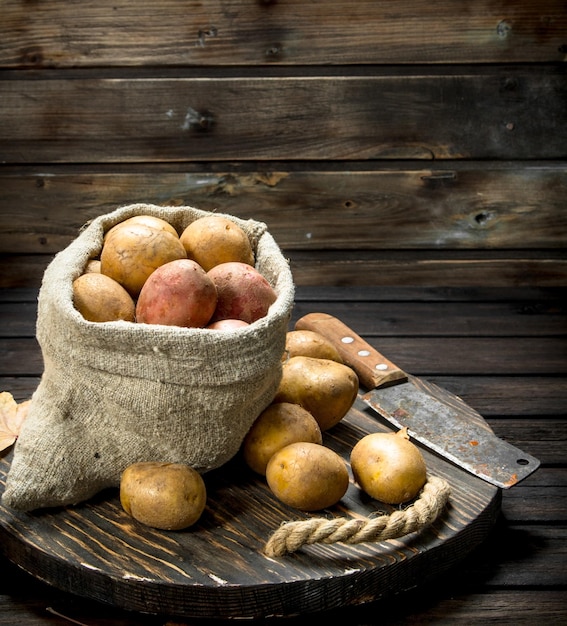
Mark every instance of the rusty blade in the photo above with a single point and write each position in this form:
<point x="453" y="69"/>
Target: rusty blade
<point x="449" y="431"/>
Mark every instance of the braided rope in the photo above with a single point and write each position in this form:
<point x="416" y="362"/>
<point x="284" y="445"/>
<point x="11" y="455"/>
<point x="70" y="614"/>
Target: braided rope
<point x="291" y="536"/>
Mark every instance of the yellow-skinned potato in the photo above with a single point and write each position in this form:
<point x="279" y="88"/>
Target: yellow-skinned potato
<point x="146" y="220"/>
<point x="134" y="251"/>
<point x="388" y="466"/>
<point x="214" y="239"/>
<point x="310" y="343"/>
<point x="168" y="496"/>
<point x="280" y="424"/>
<point x="323" y="387"/>
<point x="307" y="476"/>
<point x="99" y="298"/>
<point x="92" y="266"/>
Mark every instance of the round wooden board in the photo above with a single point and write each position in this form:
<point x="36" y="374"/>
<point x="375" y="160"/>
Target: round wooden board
<point x="217" y="568"/>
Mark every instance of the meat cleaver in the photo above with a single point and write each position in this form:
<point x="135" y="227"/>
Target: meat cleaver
<point x="433" y="416"/>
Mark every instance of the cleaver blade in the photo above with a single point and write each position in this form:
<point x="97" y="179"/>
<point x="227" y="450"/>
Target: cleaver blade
<point x="438" y="419"/>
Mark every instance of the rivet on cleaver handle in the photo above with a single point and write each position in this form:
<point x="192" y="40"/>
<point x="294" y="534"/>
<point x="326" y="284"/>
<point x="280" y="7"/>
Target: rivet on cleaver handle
<point x="433" y="416"/>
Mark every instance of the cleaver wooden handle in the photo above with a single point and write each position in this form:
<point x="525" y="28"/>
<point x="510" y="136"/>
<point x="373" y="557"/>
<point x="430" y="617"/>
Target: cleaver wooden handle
<point x="373" y="369"/>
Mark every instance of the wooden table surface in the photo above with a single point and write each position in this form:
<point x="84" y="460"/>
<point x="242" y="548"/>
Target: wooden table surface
<point x="503" y="351"/>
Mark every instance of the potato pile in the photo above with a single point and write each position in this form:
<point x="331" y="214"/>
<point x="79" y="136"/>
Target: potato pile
<point x="285" y="443"/>
<point x="148" y="273"/>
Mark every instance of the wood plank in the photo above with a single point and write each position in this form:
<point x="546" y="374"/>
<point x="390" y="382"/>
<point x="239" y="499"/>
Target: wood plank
<point x="548" y="431"/>
<point x="389" y="319"/>
<point x="328" y="295"/>
<point x="24" y="295"/>
<point x="418" y="355"/>
<point x="516" y="607"/>
<point x="21" y="387"/>
<point x="448" y="206"/>
<point x="429" y="268"/>
<point x="20" y="357"/>
<point x="461" y="606"/>
<point x="511" y="546"/>
<point x="502" y="395"/>
<point x="525" y="298"/>
<point x="21" y="271"/>
<point x="475" y="356"/>
<point x="338" y="268"/>
<point x="18" y="319"/>
<point x="422" y="356"/>
<point x="540" y="498"/>
<point x="29" y="602"/>
<point x="544" y="438"/>
<point x="518" y="113"/>
<point x="294" y="32"/>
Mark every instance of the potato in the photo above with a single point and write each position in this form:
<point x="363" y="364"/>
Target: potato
<point x="99" y="298"/>
<point x="280" y="424"/>
<point x="388" y="467"/>
<point x="323" y="387"/>
<point x="93" y="265"/>
<point x="168" y="496"/>
<point x="307" y="476"/>
<point x="147" y="220"/>
<point x="227" y="324"/>
<point x="243" y="293"/>
<point x="214" y="239"/>
<point x="310" y="343"/>
<point x="179" y="293"/>
<point x="135" y="251"/>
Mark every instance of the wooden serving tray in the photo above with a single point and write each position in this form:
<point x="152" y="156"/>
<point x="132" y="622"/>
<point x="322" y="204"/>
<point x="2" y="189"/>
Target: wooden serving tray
<point x="217" y="568"/>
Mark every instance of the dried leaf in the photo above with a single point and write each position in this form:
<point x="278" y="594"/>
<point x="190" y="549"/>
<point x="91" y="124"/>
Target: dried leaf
<point x="12" y="416"/>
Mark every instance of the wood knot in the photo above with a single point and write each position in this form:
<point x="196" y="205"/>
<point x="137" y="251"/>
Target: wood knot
<point x="198" y="120"/>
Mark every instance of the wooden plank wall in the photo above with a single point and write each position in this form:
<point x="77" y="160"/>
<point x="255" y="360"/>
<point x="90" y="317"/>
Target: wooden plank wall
<point x="384" y="143"/>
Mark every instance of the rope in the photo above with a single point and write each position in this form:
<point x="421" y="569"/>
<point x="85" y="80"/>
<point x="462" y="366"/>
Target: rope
<point x="293" y="535"/>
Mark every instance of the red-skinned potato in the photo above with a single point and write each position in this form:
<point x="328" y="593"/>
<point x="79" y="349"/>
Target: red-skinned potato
<point x="243" y="293"/>
<point x="178" y="293"/>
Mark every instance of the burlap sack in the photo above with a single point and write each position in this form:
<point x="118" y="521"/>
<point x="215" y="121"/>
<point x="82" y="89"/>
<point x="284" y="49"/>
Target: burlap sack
<point x="115" y="393"/>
